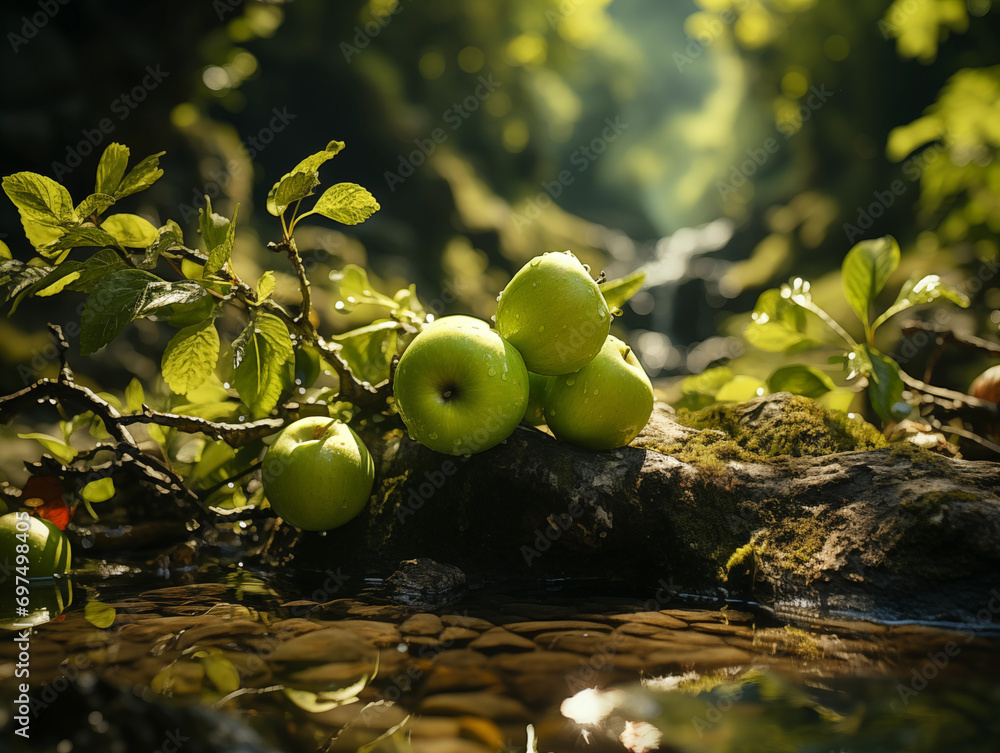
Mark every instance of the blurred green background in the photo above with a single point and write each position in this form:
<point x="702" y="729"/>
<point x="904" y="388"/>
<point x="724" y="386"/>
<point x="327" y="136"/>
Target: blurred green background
<point x="721" y="145"/>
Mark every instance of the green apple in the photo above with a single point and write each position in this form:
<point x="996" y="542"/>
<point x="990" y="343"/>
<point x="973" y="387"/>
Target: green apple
<point x="603" y="405"/>
<point x="554" y="314"/>
<point x="317" y="473"/>
<point x="534" y="414"/>
<point x="33" y="543"/>
<point x="459" y="387"/>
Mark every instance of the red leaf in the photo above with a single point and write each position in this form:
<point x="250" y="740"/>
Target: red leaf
<point x="45" y="497"/>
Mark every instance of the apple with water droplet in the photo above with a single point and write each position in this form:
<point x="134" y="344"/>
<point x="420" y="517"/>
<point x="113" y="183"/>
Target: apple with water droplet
<point x="553" y="312"/>
<point x="317" y="473"/>
<point x="605" y="404"/>
<point x="459" y="387"/>
<point x="534" y="414"/>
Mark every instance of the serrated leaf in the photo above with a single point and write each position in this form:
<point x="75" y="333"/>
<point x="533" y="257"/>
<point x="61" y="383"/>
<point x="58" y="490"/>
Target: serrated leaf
<point x="99" y="614"/>
<point x="131" y="230"/>
<point x="40" y="198"/>
<point x="263" y="354"/>
<point x="865" y="271"/>
<point x="191" y="356"/>
<point x="351" y="287"/>
<point x="617" y="292"/>
<point x="98" y="491"/>
<point x="313" y="162"/>
<point x="369" y="350"/>
<point x="219" y="256"/>
<point x="291" y="188"/>
<point x="213" y="227"/>
<point x="800" y="380"/>
<point x="5" y="251"/>
<point x="61" y="451"/>
<point x="265" y="286"/>
<point x="140" y="177"/>
<point x="96" y="202"/>
<point x="80" y="237"/>
<point x="127" y="295"/>
<point x="111" y="169"/>
<point x="17" y="277"/>
<point x="347" y="203"/>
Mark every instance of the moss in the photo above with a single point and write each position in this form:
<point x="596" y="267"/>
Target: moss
<point x="801" y="427"/>
<point x="931" y="504"/>
<point x="919" y="456"/>
<point x="382" y="520"/>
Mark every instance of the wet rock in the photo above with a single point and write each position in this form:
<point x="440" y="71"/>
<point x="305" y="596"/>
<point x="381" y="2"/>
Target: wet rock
<point x="542" y="626"/>
<point x="424" y="581"/>
<point x="499" y="639"/>
<point x="422" y="624"/>
<point x="461" y="620"/>
<point x="458" y="635"/>
<point x="649" y="618"/>
<point x="486" y="705"/>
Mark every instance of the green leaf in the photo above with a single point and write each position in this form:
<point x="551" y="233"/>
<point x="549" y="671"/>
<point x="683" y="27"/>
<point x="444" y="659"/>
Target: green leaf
<point x="351" y="287"/>
<point x="778" y="323"/>
<point x="219" y="670"/>
<point x="313" y="162"/>
<point x="708" y="382"/>
<point x="219" y="256"/>
<point x="837" y="399"/>
<point x="800" y="380"/>
<point x="212" y="227"/>
<point x="131" y="230"/>
<point x="347" y="203"/>
<point x="125" y="296"/>
<point x="58" y="285"/>
<point x="169" y="236"/>
<point x="61" y="451"/>
<point x="291" y="188"/>
<point x="96" y="202"/>
<point x="81" y="237"/>
<point x="369" y="350"/>
<point x="40" y="198"/>
<point x="617" y="292"/>
<point x="97" y="491"/>
<point x="135" y="396"/>
<point x="191" y="356"/>
<point x="141" y="177"/>
<point x="263" y="353"/>
<point x="265" y="286"/>
<point x="740" y="389"/>
<point x="885" y="386"/>
<point x="80" y="273"/>
<point x="99" y="614"/>
<point x="865" y="271"/>
<point x="16" y="277"/>
<point x="111" y="169"/>
<point x="5" y="251"/>
<point x="919" y="291"/>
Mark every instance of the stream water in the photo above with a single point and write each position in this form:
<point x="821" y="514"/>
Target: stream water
<point x="235" y="660"/>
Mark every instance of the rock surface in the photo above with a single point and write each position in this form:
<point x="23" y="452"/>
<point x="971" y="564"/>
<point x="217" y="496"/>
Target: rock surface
<point x="783" y="502"/>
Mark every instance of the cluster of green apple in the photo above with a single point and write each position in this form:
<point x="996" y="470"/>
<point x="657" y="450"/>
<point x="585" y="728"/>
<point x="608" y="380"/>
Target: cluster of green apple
<point x="461" y="387"/>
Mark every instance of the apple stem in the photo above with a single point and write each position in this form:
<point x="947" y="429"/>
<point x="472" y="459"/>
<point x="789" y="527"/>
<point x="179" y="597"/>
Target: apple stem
<point x="321" y="430"/>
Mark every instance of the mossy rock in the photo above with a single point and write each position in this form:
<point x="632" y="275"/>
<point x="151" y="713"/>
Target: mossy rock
<point x="771" y="426"/>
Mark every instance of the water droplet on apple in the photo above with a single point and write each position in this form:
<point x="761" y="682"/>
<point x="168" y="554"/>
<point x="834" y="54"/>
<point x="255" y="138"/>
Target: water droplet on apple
<point x="432" y="437"/>
<point x="339" y="305"/>
<point x="551" y="411"/>
<point x="570" y="381"/>
<point x="491" y="372"/>
<point x="541" y="327"/>
<point x="586" y="400"/>
<point x="597" y="392"/>
<point x="535" y="262"/>
<point x="503" y="376"/>
<point x="586" y="267"/>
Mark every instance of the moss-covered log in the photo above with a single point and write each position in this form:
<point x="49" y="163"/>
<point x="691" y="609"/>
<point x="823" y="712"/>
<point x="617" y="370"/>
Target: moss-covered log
<point x="782" y="502"/>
